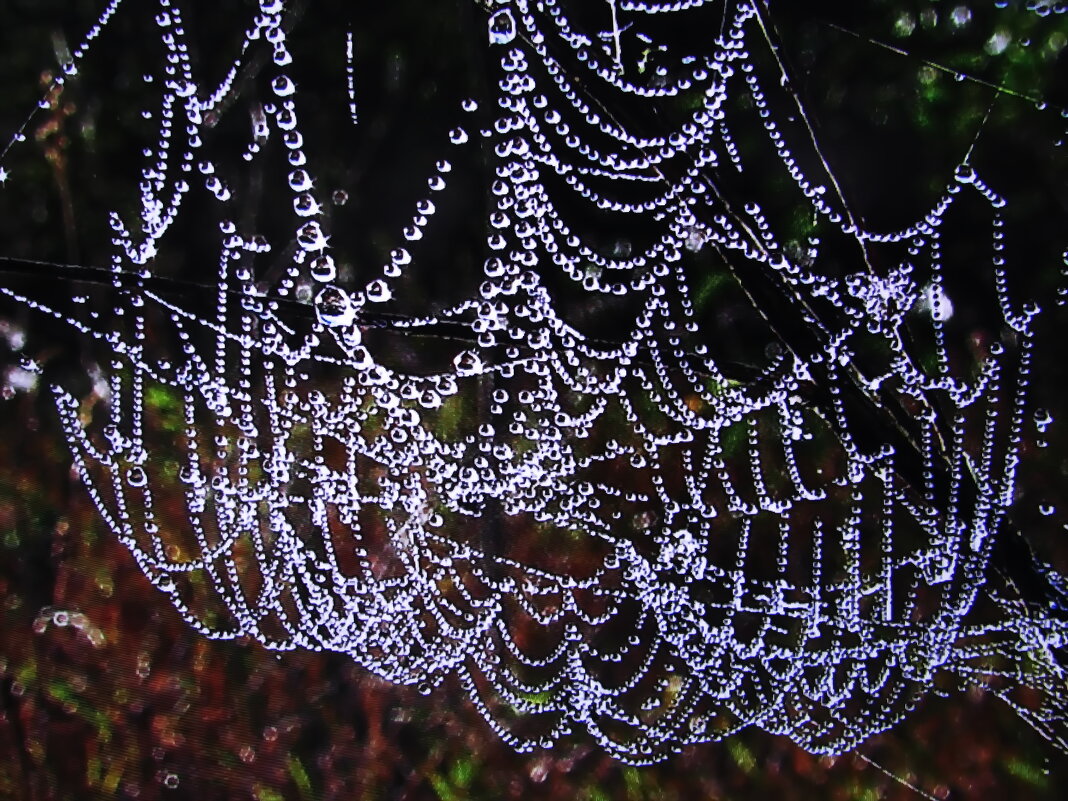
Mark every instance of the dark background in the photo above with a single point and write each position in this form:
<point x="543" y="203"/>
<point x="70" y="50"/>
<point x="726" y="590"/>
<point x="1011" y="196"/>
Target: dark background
<point x="105" y="692"/>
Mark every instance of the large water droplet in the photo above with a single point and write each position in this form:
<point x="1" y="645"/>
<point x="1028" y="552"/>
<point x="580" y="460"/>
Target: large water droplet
<point x="467" y="363"/>
<point x="305" y="205"/>
<point x="333" y="307"/>
<point x="299" y="180"/>
<point x="501" y="27"/>
<point x="310" y="236"/>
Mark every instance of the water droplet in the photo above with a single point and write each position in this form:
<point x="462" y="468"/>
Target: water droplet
<point x="467" y="363"/>
<point x="333" y="307"/>
<point x="283" y="86"/>
<point x="310" y="236"/>
<point x="378" y="291"/>
<point x="501" y="27"/>
<point x="322" y="268"/>
<point x="1043" y="419"/>
<point x="305" y="205"/>
<point x="300" y="181"/>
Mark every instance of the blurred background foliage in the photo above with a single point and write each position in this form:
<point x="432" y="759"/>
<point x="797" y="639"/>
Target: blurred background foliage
<point x="106" y="693"/>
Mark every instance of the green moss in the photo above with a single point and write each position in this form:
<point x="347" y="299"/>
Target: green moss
<point x="300" y="776"/>
<point x="1030" y="773"/>
<point x="741" y="755"/>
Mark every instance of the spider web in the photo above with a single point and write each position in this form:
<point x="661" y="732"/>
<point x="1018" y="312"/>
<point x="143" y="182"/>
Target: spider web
<point x="559" y="471"/>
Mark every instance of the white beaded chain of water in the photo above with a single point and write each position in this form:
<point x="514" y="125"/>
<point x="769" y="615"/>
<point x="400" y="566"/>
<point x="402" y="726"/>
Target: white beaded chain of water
<point x="252" y="461"/>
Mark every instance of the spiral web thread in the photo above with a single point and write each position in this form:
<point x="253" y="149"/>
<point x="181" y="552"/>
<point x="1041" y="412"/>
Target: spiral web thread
<point x="628" y="538"/>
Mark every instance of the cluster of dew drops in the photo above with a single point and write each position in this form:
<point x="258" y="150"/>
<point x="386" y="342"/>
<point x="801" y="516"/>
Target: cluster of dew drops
<point x="550" y="385"/>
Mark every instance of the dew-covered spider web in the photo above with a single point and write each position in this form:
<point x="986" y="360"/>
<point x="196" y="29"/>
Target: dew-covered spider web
<point x="581" y="379"/>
